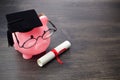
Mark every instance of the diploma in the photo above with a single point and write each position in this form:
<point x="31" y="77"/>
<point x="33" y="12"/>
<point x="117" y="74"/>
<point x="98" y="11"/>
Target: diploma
<point x="53" y="53"/>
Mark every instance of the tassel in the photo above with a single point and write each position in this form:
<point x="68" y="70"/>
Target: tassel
<point x="10" y="38"/>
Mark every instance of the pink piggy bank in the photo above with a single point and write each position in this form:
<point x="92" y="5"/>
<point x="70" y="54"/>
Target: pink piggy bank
<point x="40" y="45"/>
<point x="34" y="41"/>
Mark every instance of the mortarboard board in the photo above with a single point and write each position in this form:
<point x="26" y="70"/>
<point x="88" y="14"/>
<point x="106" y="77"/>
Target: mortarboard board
<point x="22" y="21"/>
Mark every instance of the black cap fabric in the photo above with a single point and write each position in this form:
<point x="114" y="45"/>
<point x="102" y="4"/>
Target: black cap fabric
<point x="22" y="21"/>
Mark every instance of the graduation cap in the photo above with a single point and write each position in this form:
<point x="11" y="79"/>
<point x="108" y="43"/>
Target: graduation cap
<point x="22" y="21"/>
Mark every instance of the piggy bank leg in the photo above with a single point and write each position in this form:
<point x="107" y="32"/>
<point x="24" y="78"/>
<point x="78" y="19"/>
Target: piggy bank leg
<point x="27" y="56"/>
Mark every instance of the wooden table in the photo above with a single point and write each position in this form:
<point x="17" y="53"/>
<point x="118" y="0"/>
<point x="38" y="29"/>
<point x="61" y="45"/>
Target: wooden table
<point x="93" y="28"/>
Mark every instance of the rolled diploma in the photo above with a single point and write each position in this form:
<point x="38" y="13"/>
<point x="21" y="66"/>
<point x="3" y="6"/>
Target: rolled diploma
<point x="50" y="55"/>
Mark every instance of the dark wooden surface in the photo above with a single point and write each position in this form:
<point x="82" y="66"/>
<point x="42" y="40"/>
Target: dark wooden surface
<point x="92" y="26"/>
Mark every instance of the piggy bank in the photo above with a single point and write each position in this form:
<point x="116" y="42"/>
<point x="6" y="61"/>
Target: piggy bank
<point x="36" y="47"/>
<point x="33" y="39"/>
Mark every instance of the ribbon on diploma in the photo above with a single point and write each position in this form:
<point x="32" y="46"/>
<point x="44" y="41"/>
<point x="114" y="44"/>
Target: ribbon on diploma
<point x="57" y="55"/>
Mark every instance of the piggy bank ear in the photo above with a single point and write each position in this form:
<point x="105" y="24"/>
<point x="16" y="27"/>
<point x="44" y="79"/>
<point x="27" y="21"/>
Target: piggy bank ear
<point x="43" y="19"/>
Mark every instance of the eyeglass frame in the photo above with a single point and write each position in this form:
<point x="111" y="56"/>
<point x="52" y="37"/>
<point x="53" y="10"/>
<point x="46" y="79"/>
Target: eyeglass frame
<point x="32" y="37"/>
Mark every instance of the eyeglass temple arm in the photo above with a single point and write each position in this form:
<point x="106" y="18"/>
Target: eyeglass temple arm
<point x="52" y="24"/>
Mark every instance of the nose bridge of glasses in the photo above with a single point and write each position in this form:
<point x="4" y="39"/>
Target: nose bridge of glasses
<point x="31" y="36"/>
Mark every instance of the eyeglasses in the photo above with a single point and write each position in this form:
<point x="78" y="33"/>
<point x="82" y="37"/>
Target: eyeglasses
<point x="32" y="41"/>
